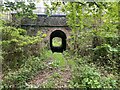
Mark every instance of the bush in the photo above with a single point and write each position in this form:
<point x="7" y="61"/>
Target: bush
<point x="108" y="53"/>
<point x="19" y="78"/>
<point x="83" y="44"/>
<point x="17" y="45"/>
<point x="104" y="53"/>
<point x="88" y="77"/>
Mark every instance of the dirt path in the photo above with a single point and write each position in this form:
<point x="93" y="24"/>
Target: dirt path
<point x="65" y="77"/>
<point x="43" y="76"/>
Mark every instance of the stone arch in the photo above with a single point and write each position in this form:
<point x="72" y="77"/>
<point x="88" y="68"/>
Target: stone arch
<point x="50" y="30"/>
<point x="62" y="35"/>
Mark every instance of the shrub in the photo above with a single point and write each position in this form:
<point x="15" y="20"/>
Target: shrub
<point x="104" y="53"/>
<point x="108" y="53"/>
<point x="88" y="77"/>
<point x="106" y="50"/>
<point x="19" y="78"/>
<point x="16" y="45"/>
<point x="83" y="44"/>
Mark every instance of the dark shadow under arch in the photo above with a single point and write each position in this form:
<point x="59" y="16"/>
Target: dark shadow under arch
<point x="62" y="35"/>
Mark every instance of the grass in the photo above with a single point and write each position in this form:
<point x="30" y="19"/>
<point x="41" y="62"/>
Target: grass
<point x="59" y="59"/>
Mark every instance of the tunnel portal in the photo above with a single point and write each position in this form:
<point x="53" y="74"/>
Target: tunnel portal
<point x="62" y="35"/>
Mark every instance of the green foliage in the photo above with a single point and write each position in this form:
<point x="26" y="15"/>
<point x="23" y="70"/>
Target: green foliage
<point x="56" y="41"/>
<point x="59" y="60"/>
<point x="16" y="45"/>
<point x="56" y="75"/>
<point x="87" y="20"/>
<point x="107" y="53"/>
<point x="104" y="52"/>
<point x="53" y="8"/>
<point x="19" y="78"/>
<point x="22" y="10"/>
<point x="88" y="77"/>
<point x="1" y="23"/>
<point x="49" y="84"/>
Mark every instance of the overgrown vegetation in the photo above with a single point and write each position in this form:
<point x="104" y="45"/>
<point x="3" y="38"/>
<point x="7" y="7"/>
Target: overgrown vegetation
<point x="92" y="58"/>
<point x="57" y="41"/>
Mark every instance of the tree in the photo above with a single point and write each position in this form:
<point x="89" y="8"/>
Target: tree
<point x="21" y="10"/>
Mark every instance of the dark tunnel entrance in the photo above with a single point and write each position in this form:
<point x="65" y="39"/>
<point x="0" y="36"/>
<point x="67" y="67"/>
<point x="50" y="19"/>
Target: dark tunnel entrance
<point x="59" y="34"/>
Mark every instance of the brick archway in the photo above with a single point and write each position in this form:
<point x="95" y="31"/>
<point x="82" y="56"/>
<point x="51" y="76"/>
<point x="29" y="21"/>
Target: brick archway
<point x="61" y="34"/>
<point x="50" y="30"/>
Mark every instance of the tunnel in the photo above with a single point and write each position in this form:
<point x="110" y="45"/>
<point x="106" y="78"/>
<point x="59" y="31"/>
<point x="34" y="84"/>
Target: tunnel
<point x="59" y="34"/>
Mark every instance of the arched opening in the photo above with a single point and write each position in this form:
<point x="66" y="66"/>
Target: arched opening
<point x="62" y="36"/>
<point x="56" y="41"/>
